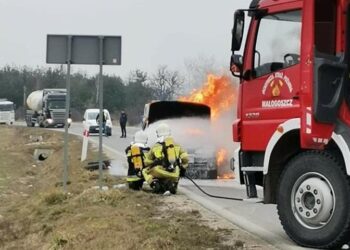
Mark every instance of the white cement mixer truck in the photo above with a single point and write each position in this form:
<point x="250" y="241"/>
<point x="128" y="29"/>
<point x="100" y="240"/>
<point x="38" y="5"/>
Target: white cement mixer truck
<point x="46" y="108"/>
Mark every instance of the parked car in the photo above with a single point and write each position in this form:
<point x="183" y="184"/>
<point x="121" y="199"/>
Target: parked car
<point x="90" y="123"/>
<point x="190" y="125"/>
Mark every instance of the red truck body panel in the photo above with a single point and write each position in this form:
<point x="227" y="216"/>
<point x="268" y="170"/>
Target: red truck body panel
<point x="293" y="120"/>
<point x="272" y="3"/>
<point x="260" y="110"/>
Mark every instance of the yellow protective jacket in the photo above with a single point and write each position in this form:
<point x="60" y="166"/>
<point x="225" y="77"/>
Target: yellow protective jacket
<point x="165" y="153"/>
<point x="136" y="160"/>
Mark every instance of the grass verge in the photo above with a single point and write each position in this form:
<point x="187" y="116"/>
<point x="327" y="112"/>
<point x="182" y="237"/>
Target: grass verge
<point x="36" y="214"/>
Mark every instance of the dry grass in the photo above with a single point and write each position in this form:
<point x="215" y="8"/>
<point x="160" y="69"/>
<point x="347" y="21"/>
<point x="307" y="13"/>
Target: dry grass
<point x="36" y="214"/>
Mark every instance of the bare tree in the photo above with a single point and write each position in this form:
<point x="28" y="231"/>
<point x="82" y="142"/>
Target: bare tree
<point x="166" y="84"/>
<point x="137" y="76"/>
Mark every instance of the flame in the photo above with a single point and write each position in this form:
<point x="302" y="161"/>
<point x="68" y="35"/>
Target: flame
<point x="221" y="163"/>
<point x="221" y="157"/>
<point x="229" y="175"/>
<point x="219" y="93"/>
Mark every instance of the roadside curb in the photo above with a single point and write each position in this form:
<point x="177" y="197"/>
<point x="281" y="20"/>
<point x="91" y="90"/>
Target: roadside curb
<point x="241" y="222"/>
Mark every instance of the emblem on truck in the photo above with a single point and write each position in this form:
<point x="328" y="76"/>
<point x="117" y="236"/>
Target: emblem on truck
<point x="274" y="84"/>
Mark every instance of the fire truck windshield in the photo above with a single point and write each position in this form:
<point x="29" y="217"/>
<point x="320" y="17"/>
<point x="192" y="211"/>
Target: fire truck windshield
<point x="278" y="42"/>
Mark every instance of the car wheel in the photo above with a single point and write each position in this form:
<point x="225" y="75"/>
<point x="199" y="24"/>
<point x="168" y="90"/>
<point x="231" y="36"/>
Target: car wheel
<point x="313" y="200"/>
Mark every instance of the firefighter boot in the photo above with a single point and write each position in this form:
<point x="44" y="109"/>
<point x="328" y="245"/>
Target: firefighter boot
<point x="170" y="186"/>
<point x="156" y="187"/>
<point x="173" y="187"/>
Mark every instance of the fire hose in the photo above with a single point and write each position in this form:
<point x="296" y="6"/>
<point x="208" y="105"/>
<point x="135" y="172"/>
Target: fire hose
<point x="211" y="195"/>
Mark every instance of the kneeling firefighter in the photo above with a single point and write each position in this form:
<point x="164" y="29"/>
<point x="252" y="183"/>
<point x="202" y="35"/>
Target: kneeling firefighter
<point x="136" y="160"/>
<point x="165" y="162"/>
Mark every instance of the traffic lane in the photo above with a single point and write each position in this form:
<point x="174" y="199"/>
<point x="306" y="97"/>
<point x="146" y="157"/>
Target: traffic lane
<point x="113" y="142"/>
<point x="260" y="219"/>
<point x="113" y="146"/>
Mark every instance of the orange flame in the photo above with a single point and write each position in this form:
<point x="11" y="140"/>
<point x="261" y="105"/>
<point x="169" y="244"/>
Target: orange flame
<point x="222" y="162"/>
<point x="219" y="93"/>
<point x="229" y="175"/>
<point x="221" y="157"/>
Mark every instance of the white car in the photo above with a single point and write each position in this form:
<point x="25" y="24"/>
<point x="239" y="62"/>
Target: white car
<point x="90" y="122"/>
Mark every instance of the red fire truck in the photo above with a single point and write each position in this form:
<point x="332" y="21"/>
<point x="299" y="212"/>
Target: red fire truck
<point x="293" y="120"/>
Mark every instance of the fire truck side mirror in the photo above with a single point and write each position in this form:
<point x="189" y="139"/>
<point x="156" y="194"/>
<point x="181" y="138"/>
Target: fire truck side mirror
<point x="236" y="65"/>
<point x="237" y="31"/>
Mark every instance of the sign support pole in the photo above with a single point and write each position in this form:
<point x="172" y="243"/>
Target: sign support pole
<point x="77" y="49"/>
<point x="100" y="98"/>
<point x="66" y="116"/>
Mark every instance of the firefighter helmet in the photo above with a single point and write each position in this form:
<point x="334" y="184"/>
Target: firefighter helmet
<point x="140" y="137"/>
<point x="163" y="130"/>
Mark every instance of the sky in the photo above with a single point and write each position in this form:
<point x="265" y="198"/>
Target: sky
<point x="154" y="32"/>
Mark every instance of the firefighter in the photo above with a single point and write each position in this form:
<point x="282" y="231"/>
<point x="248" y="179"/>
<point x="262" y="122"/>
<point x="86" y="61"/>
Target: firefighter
<point x="165" y="162"/>
<point x="135" y="153"/>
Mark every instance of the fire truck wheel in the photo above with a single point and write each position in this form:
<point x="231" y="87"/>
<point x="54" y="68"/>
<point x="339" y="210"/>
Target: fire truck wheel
<point x="313" y="200"/>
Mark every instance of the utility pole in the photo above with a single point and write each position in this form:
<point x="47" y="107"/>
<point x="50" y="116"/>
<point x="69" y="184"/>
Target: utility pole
<point x="24" y="96"/>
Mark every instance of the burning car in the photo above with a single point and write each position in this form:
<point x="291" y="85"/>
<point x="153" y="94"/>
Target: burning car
<point x="190" y="125"/>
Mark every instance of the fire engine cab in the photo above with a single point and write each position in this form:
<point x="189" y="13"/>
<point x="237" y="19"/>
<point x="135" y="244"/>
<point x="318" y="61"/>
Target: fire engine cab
<point x="293" y="117"/>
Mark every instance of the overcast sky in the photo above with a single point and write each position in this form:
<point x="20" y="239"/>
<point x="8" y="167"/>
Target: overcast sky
<point x="154" y="32"/>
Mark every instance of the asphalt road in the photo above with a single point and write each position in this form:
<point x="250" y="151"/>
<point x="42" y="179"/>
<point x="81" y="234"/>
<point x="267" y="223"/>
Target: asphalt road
<point x="257" y="218"/>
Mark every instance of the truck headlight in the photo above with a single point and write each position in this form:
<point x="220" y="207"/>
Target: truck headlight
<point x="50" y="121"/>
<point x="69" y="120"/>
